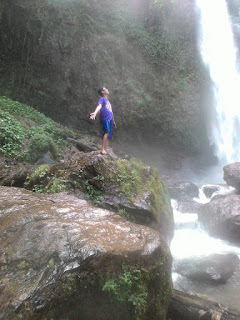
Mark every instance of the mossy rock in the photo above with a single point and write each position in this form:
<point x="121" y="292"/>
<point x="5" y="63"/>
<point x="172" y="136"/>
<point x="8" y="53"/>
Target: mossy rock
<point x="71" y="260"/>
<point x="127" y="187"/>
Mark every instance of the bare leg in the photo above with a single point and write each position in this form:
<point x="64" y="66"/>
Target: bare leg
<point x="104" y="144"/>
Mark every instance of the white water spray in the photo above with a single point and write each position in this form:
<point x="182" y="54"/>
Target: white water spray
<point x="219" y="54"/>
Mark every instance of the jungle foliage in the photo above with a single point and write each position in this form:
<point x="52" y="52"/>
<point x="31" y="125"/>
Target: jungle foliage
<point x="27" y="134"/>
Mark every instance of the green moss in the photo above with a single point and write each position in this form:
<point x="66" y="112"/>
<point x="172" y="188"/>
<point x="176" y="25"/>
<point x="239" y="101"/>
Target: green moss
<point x="129" y="175"/>
<point x="134" y="178"/>
<point x="160" y="200"/>
<point x="129" y="287"/>
<point x="39" y="173"/>
<point x="23" y="265"/>
<point x="51" y="263"/>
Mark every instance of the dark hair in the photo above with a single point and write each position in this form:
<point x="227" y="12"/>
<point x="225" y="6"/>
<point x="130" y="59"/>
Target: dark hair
<point x="100" y="91"/>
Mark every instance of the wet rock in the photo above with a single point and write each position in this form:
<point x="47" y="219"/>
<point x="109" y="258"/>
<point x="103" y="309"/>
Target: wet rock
<point x="221" y="217"/>
<point x="62" y="258"/>
<point x="180" y="190"/>
<point x="83" y="146"/>
<point x="209" y="189"/>
<point x="232" y="175"/>
<point x="215" y="268"/>
<point x="14" y="175"/>
<point x="188" y="205"/>
<point x="126" y="186"/>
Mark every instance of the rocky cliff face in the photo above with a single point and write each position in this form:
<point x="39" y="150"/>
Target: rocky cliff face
<point x="56" y="54"/>
<point x="62" y="258"/>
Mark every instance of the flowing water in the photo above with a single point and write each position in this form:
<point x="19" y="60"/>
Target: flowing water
<point x="191" y="241"/>
<point x="219" y="53"/>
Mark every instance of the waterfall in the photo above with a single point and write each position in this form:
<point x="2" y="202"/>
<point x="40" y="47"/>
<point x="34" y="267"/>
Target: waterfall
<point x="218" y="52"/>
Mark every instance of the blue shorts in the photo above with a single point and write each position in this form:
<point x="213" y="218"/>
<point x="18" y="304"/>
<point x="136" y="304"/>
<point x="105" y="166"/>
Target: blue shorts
<point x="107" y="127"/>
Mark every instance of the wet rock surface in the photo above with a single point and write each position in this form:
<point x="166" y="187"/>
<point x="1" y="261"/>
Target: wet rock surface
<point x="180" y="190"/>
<point x="188" y="205"/>
<point x="184" y="192"/>
<point x="215" y="268"/>
<point x="221" y="217"/>
<point x="57" y="253"/>
<point x="232" y="175"/>
<point x="124" y="186"/>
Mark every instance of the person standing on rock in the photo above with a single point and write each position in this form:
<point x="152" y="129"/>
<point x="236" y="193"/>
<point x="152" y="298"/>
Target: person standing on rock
<point x="106" y="118"/>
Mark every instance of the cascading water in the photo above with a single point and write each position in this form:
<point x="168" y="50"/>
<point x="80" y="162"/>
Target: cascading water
<point x="191" y="241"/>
<point x="219" y="55"/>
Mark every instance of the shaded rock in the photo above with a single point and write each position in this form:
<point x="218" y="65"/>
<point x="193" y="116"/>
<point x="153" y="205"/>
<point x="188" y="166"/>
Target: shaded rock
<point x="209" y="189"/>
<point x="83" y="146"/>
<point x="215" y="268"/>
<point x="14" y="175"/>
<point x="232" y="175"/>
<point x="180" y="190"/>
<point x="221" y="217"/>
<point x="188" y="205"/>
<point x="62" y="258"/>
<point x="126" y="186"/>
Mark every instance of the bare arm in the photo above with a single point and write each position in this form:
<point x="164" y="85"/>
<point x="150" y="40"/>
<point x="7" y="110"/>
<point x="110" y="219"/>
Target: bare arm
<point x="93" y="114"/>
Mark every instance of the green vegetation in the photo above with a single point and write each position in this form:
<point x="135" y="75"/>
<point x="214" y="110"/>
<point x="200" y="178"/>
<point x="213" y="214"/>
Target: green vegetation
<point x="51" y="263"/>
<point x="94" y="189"/>
<point x="123" y="213"/>
<point x="134" y="179"/>
<point x="27" y="134"/>
<point x="130" y="287"/>
<point x="45" y="180"/>
<point x="23" y="265"/>
<point x="12" y="135"/>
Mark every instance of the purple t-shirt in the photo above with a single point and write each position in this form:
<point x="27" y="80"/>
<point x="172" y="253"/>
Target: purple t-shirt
<point x="106" y="110"/>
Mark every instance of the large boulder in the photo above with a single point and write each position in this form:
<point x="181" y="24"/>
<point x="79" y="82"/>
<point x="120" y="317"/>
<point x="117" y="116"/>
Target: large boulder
<point x="232" y="175"/>
<point x="180" y="190"/>
<point x="62" y="258"/>
<point x="14" y="174"/>
<point x="127" y="187"/>
<point x="188" y="205"/>
<point x="215" y="268"/>
<point x="221" y="217"/>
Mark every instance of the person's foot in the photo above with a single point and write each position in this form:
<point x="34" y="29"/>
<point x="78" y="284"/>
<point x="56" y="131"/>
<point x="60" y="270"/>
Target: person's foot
<point x="103" y="152"/>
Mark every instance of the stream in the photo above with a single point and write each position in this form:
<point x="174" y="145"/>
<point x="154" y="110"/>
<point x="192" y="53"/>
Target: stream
<point x="219" y="54"/>
<point x="189" y="241"/>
